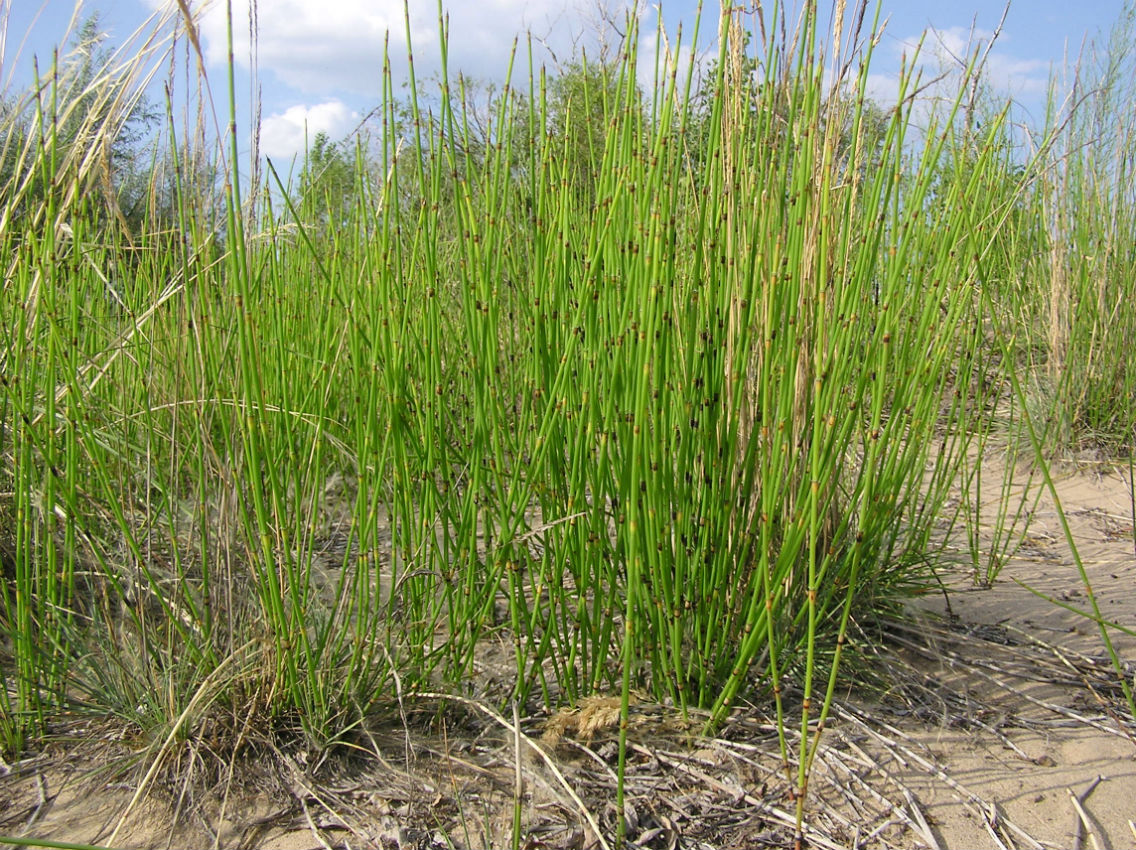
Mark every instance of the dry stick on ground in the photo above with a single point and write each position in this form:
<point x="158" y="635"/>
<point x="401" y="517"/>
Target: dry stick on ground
<point x="879" y="830"/>
<point x="954" y="660"/>
<point x="1081" y="817"/>
<point x="587" y="815"/>
<point x="987" y="812"/>
<point x="893" y="813"/>
<point x="1101" y="701"/>
<point x="857" y="804"/>
<point x="298" y="780"/>
<point x="784" y="817"/>
<point x="42" y="805"/>
<point x="854" y="778"/>
<point x="592" y="754"/>
<point x="312" y="825"/>
<point x="1086" y="720"/>
<point x="920" y="824"/>
<point x="924" y="827"/>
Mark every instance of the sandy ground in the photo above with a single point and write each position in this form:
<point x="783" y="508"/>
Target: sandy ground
<point x="1004" y="727"/>
<point x="1054" y="716"/>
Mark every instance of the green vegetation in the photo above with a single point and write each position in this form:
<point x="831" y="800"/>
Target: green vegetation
<point x="673" y="402"/>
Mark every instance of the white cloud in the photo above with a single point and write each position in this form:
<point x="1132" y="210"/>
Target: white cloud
<point x="941" y="61"/>
<point x="312" y="46"/>
<point x="669" y="58"/>
<point x="883" y="89"/>
<point x="1004" y="73"/>
<point x="288" y="133"/>
<point x="336" y="46"/>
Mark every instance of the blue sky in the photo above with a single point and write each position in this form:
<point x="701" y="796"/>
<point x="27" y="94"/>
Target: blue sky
<point x="319" y="61"/>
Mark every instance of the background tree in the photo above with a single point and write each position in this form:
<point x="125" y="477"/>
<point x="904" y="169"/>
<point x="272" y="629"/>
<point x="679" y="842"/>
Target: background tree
<point x="94" y="139"/>
<point x="583" y="104"/>
<point x="327" y="183"/>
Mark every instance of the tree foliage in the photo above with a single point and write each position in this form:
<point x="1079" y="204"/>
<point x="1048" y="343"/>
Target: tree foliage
<point x="327" y="183"/>
<point x="80" y="125"/>
<point x="583" y="105"/>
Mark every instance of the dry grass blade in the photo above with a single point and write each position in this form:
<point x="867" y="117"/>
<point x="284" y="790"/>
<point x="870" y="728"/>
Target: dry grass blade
<point x="509" y="727"/>
<point x="1083" y="824"/>
<point x="924" y="827"/>
<point x="893" y="740"/>
<point x="211" y="686"/>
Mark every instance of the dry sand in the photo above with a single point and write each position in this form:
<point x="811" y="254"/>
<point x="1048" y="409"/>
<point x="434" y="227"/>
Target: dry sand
<point x="1056" y="723"/>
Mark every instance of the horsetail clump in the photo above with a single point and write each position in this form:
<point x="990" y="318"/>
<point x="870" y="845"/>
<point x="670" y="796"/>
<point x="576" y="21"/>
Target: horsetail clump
<point x="674" y="405"/>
